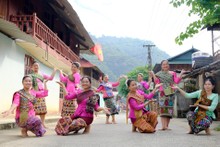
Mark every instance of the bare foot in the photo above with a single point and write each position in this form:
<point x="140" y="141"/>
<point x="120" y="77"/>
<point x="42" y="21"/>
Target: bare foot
<point x="134" y="129"/>
<point x="168" y="129"/>
<point x="114" y="122"/>
<point x="207" y="131"/>
<point x="163" y="129"/>
<point x="85" y="132"/>
<point x="44" y="126"/>
<point x="24" y="133"/>
<point x="108" y="123"/>
<point x="190" y="132"/>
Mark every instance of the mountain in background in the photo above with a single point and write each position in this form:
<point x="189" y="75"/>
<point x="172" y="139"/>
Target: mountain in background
<point x="121" y="55"/>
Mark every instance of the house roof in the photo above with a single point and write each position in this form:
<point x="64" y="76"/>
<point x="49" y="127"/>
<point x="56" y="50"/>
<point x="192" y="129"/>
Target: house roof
<point x="86" y="64"/>
<point x="183" y="58"/>
<point x="73" y="22"/>
<point x="212" y="66"/>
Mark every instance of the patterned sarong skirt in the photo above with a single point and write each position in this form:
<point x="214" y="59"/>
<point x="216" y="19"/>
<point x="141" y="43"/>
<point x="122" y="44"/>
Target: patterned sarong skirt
<point x="110" y="104"/>
<point x="40" y="107"/>
<point x="69" y="107"/>
<point x="66" y="125"/>
<point x="34" y="125"/>
<point x="199" y="126"/>
<point x="166" y="104"/>
<point x="147" y="123"/>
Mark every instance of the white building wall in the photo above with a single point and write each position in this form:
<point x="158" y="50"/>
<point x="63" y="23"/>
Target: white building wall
<point x="11" y="73"/>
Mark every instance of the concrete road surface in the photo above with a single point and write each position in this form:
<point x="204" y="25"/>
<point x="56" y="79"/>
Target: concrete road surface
<point x="114" y="135"/>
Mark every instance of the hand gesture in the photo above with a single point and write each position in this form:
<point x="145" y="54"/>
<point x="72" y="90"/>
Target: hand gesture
<point x="100" y="79"/>
<point x="55" y="69"/>
<point x="61" y="84"/>
<point x="45" y="81"/>
<point x="152" y="100"/>
<point x="106" y="110"/>
<point x="195" y="105"/>
<point x="5" y="113"/>
<point x="122" y="76"/>
<point x="158" y="85"/>
<point x="175" y="87"/>
<point x="61" y="71"/>
<point x="94" y="89"/>
<point x="183" y="71"/>
<point x="151" y="73"/>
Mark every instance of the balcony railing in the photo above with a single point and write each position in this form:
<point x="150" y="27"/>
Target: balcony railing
<point x="31" y="24"/>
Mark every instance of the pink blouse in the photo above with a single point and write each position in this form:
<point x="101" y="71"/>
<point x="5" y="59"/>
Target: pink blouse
<point x="71" y="86"/>
<point x="102" y="88"/>
<point x="40" y="83"/>
<point x="81" y="109"/>
<point x="145" y="86"/>
<point x="135" y="106"/>
<point x="175" y="80"/>
<point x="31" y="112"/>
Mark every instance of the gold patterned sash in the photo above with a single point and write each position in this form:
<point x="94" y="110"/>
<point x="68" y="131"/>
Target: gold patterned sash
<point x="203" y="100"/>
<point x="24" y="108"/>
<point x="140" y="99"/>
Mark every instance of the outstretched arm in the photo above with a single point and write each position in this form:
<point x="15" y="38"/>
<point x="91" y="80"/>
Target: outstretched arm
<point x="195" y="94"/>
<point x="53" y="73"/>
<point x="16" y="102"/>
<point x="151" y="74"/>
<point x="12" y="108"/>
<point x="65" y="92"/>
<point x="62" y="77"/>
<point x="98" y="109"/>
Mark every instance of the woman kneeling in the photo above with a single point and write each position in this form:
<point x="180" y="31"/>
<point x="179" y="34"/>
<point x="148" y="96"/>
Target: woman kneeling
<point x="143" y="120"/>
<point x="201" y="118"/>
<point x="23" y="102"/>
<point x="83" y="116"/>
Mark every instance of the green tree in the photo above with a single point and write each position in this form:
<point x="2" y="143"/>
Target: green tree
<point x="123" y="90"/>
<point x="208" y="12"/>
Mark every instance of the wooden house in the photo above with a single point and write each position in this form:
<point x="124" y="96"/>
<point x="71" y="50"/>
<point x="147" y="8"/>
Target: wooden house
<point x="47" y="31"/>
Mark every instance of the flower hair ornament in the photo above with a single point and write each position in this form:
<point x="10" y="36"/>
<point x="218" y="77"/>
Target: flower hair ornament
<point x="126" y="82"/>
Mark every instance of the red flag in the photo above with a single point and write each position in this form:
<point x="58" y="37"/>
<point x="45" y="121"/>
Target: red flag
<point x="97" y="50"/>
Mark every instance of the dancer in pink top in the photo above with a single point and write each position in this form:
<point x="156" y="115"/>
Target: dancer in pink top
<point x="166" y="93"/>
<point x="106" y="89"/>
<point x="37" y="81"/>
<point x="143" y="120"/>
<point x="83" y="116"/>
<point x="23" y="102"/>
<point x="141" y="84"/>
<point x="72" y="82"/>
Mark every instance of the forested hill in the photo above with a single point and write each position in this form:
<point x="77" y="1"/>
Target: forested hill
<point x="121" y="55"/>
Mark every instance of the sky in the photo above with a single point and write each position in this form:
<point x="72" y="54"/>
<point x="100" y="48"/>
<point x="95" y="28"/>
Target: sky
<point x="154" y="20"/>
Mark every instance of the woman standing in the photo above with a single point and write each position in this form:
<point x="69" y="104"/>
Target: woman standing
<point x="72" y="82"/>
<point x="37" y="81"/>
<point x="83" y="116"/>
<point x="141" y="84"/>
<point x="166" y="93"/>
<point x="106" y="89"/>
<point x="23" y="101"/>
<point x="143" y="120"/>
<point x="201" y="118"/>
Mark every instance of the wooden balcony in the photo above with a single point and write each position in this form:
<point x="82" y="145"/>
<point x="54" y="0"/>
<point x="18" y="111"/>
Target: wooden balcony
<point x="32" y="25"/>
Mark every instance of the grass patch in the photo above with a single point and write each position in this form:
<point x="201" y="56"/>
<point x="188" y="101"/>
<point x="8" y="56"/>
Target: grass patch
<point x="217" y="128"/>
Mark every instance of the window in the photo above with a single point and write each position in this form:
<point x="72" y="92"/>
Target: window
<point x="28" y="61"/>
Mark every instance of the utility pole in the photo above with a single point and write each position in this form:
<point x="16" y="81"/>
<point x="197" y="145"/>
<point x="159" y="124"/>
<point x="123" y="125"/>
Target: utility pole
<point x="149" y="59"/>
